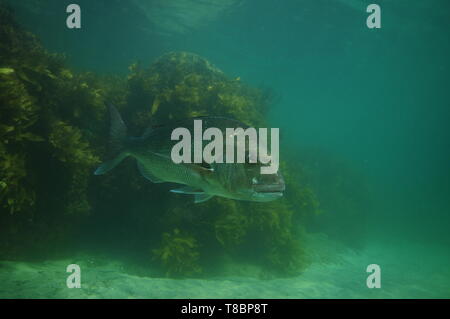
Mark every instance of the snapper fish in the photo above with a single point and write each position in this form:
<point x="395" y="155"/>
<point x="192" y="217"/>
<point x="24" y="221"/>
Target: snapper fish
<point x="152" y="151"/>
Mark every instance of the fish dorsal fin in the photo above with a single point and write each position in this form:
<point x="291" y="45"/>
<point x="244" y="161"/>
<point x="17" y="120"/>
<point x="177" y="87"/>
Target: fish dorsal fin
<point x="187" y="190"/>
<point x="200" y="198"/>
<point x="117" y="130"/>
<point x="147" y="174"/>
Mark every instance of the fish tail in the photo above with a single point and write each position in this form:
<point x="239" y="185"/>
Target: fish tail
<point x="118" y="136"/>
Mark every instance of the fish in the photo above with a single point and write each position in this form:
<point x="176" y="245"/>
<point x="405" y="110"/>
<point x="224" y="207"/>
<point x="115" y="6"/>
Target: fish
<point x="152" y="151"/>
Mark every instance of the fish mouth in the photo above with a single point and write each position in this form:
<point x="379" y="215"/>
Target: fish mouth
<point x="266" y="194"/>
<point x="269" y="189"/>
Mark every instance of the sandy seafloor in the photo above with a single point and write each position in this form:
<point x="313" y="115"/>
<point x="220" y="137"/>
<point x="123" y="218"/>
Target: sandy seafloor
<point x="408" y="270"/>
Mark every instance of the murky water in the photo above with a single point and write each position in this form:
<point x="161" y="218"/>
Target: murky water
<point x="364" y="149"/>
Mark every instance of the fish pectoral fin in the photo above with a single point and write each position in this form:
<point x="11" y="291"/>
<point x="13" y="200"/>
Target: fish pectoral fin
<point x="187" y="190"/>
<point x="199" y="195"/>
<point x="147" y="174"/>
<point x="200" y="198"/>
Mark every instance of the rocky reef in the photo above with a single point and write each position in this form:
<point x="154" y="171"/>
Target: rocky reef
<point x="53" y="129"/>
<point x="50" y="120"/>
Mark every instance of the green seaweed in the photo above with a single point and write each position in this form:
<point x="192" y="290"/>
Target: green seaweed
<point x="179" y="254"/>
<point x="49" y="143"/>
<point x="181" y="84"/>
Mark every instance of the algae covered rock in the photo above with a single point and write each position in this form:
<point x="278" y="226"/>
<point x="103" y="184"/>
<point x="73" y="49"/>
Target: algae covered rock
<point x="48" y="123"/>
<point x="180" y="85"/>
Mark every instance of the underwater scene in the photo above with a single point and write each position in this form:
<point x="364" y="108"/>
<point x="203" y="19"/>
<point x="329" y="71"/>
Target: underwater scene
<point x="118" y="118"/>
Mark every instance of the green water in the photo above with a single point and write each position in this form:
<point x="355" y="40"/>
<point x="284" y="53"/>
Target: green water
<point x="363" y="109"/>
